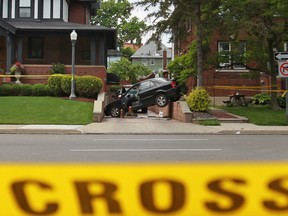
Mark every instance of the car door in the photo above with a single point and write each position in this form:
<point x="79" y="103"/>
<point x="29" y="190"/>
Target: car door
<point x="146" y="93"/>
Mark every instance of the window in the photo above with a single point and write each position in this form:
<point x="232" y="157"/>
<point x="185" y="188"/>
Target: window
<point x="25" y="8"/>
<point x="35" y="47"/>
<point x="152" y="62"/>
<point x="144" y="62"/>
<point x="231" y="56"/>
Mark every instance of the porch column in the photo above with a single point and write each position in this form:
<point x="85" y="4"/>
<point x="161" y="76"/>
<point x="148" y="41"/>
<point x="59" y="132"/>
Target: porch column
<point x="102" y="46"/>
<point x="9" y="51"/>
<point x="93" y="51"/>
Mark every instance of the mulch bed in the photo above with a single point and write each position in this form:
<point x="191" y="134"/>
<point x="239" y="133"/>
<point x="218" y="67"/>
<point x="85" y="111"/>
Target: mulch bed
<point x="221" y="114"/>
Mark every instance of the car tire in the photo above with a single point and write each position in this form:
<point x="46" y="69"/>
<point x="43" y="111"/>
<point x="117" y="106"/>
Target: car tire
<point x="161" y="100"/>
<point x="115" y="111"/>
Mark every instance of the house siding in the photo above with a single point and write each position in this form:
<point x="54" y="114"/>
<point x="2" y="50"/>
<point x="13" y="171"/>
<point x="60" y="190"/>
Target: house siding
<point x="158" y="63"/>
<point x="77" y="13"/>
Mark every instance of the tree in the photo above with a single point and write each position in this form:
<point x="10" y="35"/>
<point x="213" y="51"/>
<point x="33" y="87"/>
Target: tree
<point x="128" y="71"/>
<point x="127" y="52"/>
<point x="172" y="15"/>
<point x="265" y="26"/>
<point x="117" y="15"/>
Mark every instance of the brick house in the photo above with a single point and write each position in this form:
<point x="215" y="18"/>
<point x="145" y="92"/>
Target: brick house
<point x="37" y="33"/>
<point x="225" y="79"/>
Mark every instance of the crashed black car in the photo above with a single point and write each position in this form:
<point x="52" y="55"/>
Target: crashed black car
<point x="154" y="91"/>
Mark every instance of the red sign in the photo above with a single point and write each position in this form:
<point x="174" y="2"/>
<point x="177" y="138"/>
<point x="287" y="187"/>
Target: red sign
<point x="283" y="69"/>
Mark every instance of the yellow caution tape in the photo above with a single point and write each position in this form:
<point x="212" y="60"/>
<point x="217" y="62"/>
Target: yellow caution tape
<point x="26" y="75"/>
<point x="145" y="189"/>
<point x="248" y="88"/>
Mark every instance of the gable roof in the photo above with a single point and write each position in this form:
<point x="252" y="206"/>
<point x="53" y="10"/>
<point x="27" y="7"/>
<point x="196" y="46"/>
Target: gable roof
<point x="150" y="50"/>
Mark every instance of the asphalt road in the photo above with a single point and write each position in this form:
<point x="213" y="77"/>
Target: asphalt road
<point x="136" y="148"/>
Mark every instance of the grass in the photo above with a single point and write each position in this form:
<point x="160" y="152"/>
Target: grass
<point x="44" y="110"/>
<point x="208" y="122"/>
<point x="260" y="115"/>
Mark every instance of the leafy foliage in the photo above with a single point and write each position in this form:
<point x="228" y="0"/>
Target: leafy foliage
<point x="57" y="68"/>
<point x="117" y="15"/>
<point x="282" y="101"/>
<point x="40" y="90"/>
<point x="54" y="84"/>
<point x="261" y="99"/>
<point x="198" y="100"/>
<point x="88" y="86"/>
<point x="183" y="67"/>
<point x="128" y="71"/>
<point x="127" y="52"/>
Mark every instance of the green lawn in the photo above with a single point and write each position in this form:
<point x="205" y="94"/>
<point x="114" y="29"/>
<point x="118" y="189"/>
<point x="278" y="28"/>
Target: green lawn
<point x="260" y="115"/>
<point x="44" y="110"/>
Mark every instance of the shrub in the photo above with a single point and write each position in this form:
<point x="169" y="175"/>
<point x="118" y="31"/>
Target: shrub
<point x="115" y="88"/>
<point x="261" y="99"/>
<point x="26" y="90"/>
<point x="58" y="68"/>
<point x="198" y="100"/>
<point x="5" y="89"/>
<point x="40" y="90"/>
<point x="88" y="86"/>
<point x="66" y="84"/>
<point x="282" y="101"/>
<point x="54" y="85"/>
<point x="16" y="90"/>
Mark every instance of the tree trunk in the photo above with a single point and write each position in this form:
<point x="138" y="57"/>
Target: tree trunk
<point x="199" y="37"/>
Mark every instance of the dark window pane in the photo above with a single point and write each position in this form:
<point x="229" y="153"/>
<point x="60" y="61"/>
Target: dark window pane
<point x="35" y="47"/>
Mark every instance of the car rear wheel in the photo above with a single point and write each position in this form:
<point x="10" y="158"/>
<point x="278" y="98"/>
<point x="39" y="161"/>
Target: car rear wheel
<point x="161" y="100"/>
<point x="115" y="111"/>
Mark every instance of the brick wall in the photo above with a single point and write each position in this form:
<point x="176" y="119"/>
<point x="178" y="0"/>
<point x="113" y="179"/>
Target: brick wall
<point x="42" y="73"/>
<point x="175" y="109"/>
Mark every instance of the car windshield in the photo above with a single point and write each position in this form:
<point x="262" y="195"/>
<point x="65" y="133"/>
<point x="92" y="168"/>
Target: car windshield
<point x="133" y="91"/>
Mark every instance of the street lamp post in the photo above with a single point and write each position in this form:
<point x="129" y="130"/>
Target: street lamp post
<point x="73" y="37"/>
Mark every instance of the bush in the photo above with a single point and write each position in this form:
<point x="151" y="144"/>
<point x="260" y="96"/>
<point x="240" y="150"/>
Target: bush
<point x="16" y="90"/>
<point x="282" y="101"/>
<point x="261" y="99"/>
<point x="26" y="90"/>
<point x="54" y="85"/>
<point x="5" y="89"/>
<point x="115" y="88"/>
<point x="66" y="84"/>
<point x="58" y="68"/>
<point x="88" y="86"/>
<point x="198" y="100"/>
<point x="40" y="90"/>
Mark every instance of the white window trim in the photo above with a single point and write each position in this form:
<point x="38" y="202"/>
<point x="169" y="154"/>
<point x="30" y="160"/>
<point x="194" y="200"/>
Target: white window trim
<point x="235" y="68"/>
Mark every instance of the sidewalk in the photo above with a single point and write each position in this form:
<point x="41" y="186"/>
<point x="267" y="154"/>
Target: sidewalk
<point x="151" y="125"/>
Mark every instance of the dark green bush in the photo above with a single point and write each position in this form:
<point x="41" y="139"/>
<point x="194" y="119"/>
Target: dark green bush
<point x="26" y="90"/>
<point x="198" y="100"/>
<point x="282" y="101"/>
<point x="261" y="99"/>
<point x="5" y="89"/>
<point x="115" y="88"/>
<point x="58" y="68"/>
<point x="88" y="86"/>
<point x="54" y="85"/>
<point x="66" y="84"/>
<point x="40" y="90"/>
<point x="16" y="90"/>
